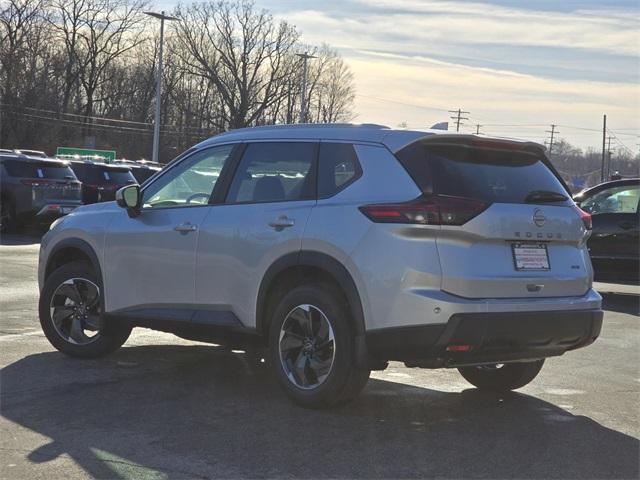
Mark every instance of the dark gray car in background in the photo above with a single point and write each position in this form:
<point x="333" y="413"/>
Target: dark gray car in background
<point x="35" y="190"/>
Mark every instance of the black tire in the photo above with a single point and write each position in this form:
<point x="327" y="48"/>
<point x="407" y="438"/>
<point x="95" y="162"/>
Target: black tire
<point x="344" y="381"/>
<point x="7" y="216"/>
<point x="109" y="337"/>
<point x="501" y="378"/>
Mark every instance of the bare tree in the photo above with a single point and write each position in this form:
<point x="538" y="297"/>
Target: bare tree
<point x="73" y="68"/>
<point x="20" y="42"/>
<point x="242" y="51"/>
<point x="111" y="28"/>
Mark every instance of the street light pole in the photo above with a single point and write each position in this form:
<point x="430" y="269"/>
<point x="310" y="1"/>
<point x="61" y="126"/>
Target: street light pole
<point x="303" y="92"/>
<point x="156" y="127"/>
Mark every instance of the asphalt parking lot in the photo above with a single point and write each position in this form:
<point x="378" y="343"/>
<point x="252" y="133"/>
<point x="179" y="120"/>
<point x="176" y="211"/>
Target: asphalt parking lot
<point x="162" y="407"/>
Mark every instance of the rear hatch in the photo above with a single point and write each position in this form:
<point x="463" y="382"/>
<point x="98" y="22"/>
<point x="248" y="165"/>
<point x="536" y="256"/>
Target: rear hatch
<point x="50" y="181"/>
<point x="100" y="182"/>
<point x="508" y="226"/>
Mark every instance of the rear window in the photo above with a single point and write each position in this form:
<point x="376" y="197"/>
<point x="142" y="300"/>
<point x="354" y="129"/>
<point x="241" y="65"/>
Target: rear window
<point x="97" y="175"/>
<point x="495" y="176"/>
<point x="22" y="169"/>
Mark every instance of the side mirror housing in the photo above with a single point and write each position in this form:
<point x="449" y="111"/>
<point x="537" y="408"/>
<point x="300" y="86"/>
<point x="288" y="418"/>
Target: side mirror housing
<point x="129" y="197"/>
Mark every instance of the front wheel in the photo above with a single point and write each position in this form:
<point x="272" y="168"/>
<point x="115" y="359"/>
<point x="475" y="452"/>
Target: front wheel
<point x="71" y="313"/>
<point x="311" y="347"/>
<point x="501" y="377"/>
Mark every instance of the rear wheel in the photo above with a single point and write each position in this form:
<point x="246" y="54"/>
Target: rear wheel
<point x="501" y="376"/>
<point x="312" y="348"/>
<point x="71" y="317"/>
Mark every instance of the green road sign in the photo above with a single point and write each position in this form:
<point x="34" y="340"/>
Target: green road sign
<point x="107" y="156"/>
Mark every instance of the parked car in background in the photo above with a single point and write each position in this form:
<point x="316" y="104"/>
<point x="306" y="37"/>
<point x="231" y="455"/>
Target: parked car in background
<point x="100" y="180"/>
<point x="31" y="153"/>
<point x="336" y="248"/>
<point x="35" y="190"/>
<point x="141" y="172"/>
<point x="615" y="242"/>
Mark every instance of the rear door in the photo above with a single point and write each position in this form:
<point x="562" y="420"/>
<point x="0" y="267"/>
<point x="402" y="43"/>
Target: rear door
<point x="260" y="219"/>
<point x="528" y="241"/>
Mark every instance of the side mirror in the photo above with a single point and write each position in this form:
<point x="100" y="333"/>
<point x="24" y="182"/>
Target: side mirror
<point x="129" y="197"/>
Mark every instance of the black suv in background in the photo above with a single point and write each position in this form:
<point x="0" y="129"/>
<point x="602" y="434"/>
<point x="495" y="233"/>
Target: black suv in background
<point x="141" y="172"/>
<point x="615" y="213"/>
<point x="35" y="190"/>
<point x="100" y="180"/>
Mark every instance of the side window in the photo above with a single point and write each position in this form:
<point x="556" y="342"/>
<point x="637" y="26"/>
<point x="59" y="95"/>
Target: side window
<point x="274" y="172"/>
<point x="191" y="182"/>
<point x="613" y="200"/>
<point x="337" y="167"/>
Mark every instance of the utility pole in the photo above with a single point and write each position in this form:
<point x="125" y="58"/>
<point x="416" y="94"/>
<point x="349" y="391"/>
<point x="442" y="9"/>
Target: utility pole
<point x="156" y="126"/>
<point x="303" y="90"/>
<point x="458" y="117"/>
<point x="604" y="141"/>
<point x="608" y="175"/>
<point x="478" y="129"/>
<point x="553" y="131"/>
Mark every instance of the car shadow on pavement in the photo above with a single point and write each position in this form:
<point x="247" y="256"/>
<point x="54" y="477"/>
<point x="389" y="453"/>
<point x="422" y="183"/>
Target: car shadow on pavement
<point x="199" y="412"/>
<point x="621" y="303"/>
<point x="17" y="239"/>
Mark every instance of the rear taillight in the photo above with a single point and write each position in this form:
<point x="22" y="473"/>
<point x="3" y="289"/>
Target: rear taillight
<point x="427" y="210"/>
<point x="585" y="216"/>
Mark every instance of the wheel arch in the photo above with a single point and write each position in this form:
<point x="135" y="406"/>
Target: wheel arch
<point x="69" y="250"/>
<point x="296" y="264"/>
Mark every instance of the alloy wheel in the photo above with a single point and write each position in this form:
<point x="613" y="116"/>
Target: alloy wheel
<point x="75" y="311"/>
<point x="307" y="346"/>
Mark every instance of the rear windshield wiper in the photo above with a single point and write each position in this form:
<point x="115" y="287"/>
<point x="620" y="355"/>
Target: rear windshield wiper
<point x="544" y="196"/>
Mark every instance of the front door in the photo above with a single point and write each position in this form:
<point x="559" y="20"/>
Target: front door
<point x="614" y="212"/>
<point x="149" y="264"/>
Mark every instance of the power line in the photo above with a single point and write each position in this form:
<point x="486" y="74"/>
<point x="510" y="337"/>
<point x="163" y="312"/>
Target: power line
<point x="620" y="142"/>
<point x="40" y="118"/>
<point x="458" y="117"/>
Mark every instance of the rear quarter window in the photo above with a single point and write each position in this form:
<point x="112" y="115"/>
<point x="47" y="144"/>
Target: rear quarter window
<point x="338" y="167"/>
<point x="494" y="176"/>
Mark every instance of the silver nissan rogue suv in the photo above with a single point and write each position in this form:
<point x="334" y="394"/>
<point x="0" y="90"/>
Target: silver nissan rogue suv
<point x="335" y="248"/>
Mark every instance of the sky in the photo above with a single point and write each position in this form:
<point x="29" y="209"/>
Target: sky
<point x="516" y="66"/>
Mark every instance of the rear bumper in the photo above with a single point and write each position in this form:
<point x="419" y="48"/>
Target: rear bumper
<point x="490" y="337"/>
<point x="46" y="212"/>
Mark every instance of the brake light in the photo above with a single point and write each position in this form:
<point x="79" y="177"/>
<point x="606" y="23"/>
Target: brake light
<point x="585" y="216"/>
<point x="427" y="210"/>
<point x="458" y="348"/>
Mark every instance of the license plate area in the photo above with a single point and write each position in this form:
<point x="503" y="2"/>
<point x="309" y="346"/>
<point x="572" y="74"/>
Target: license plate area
<point x="530" y="256"/>
<point x="66" y="210"/>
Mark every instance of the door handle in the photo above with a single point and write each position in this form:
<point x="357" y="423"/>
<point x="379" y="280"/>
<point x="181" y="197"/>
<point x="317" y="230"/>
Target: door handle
<point x="282" y="222"/>
<point x="186" y="228"/>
